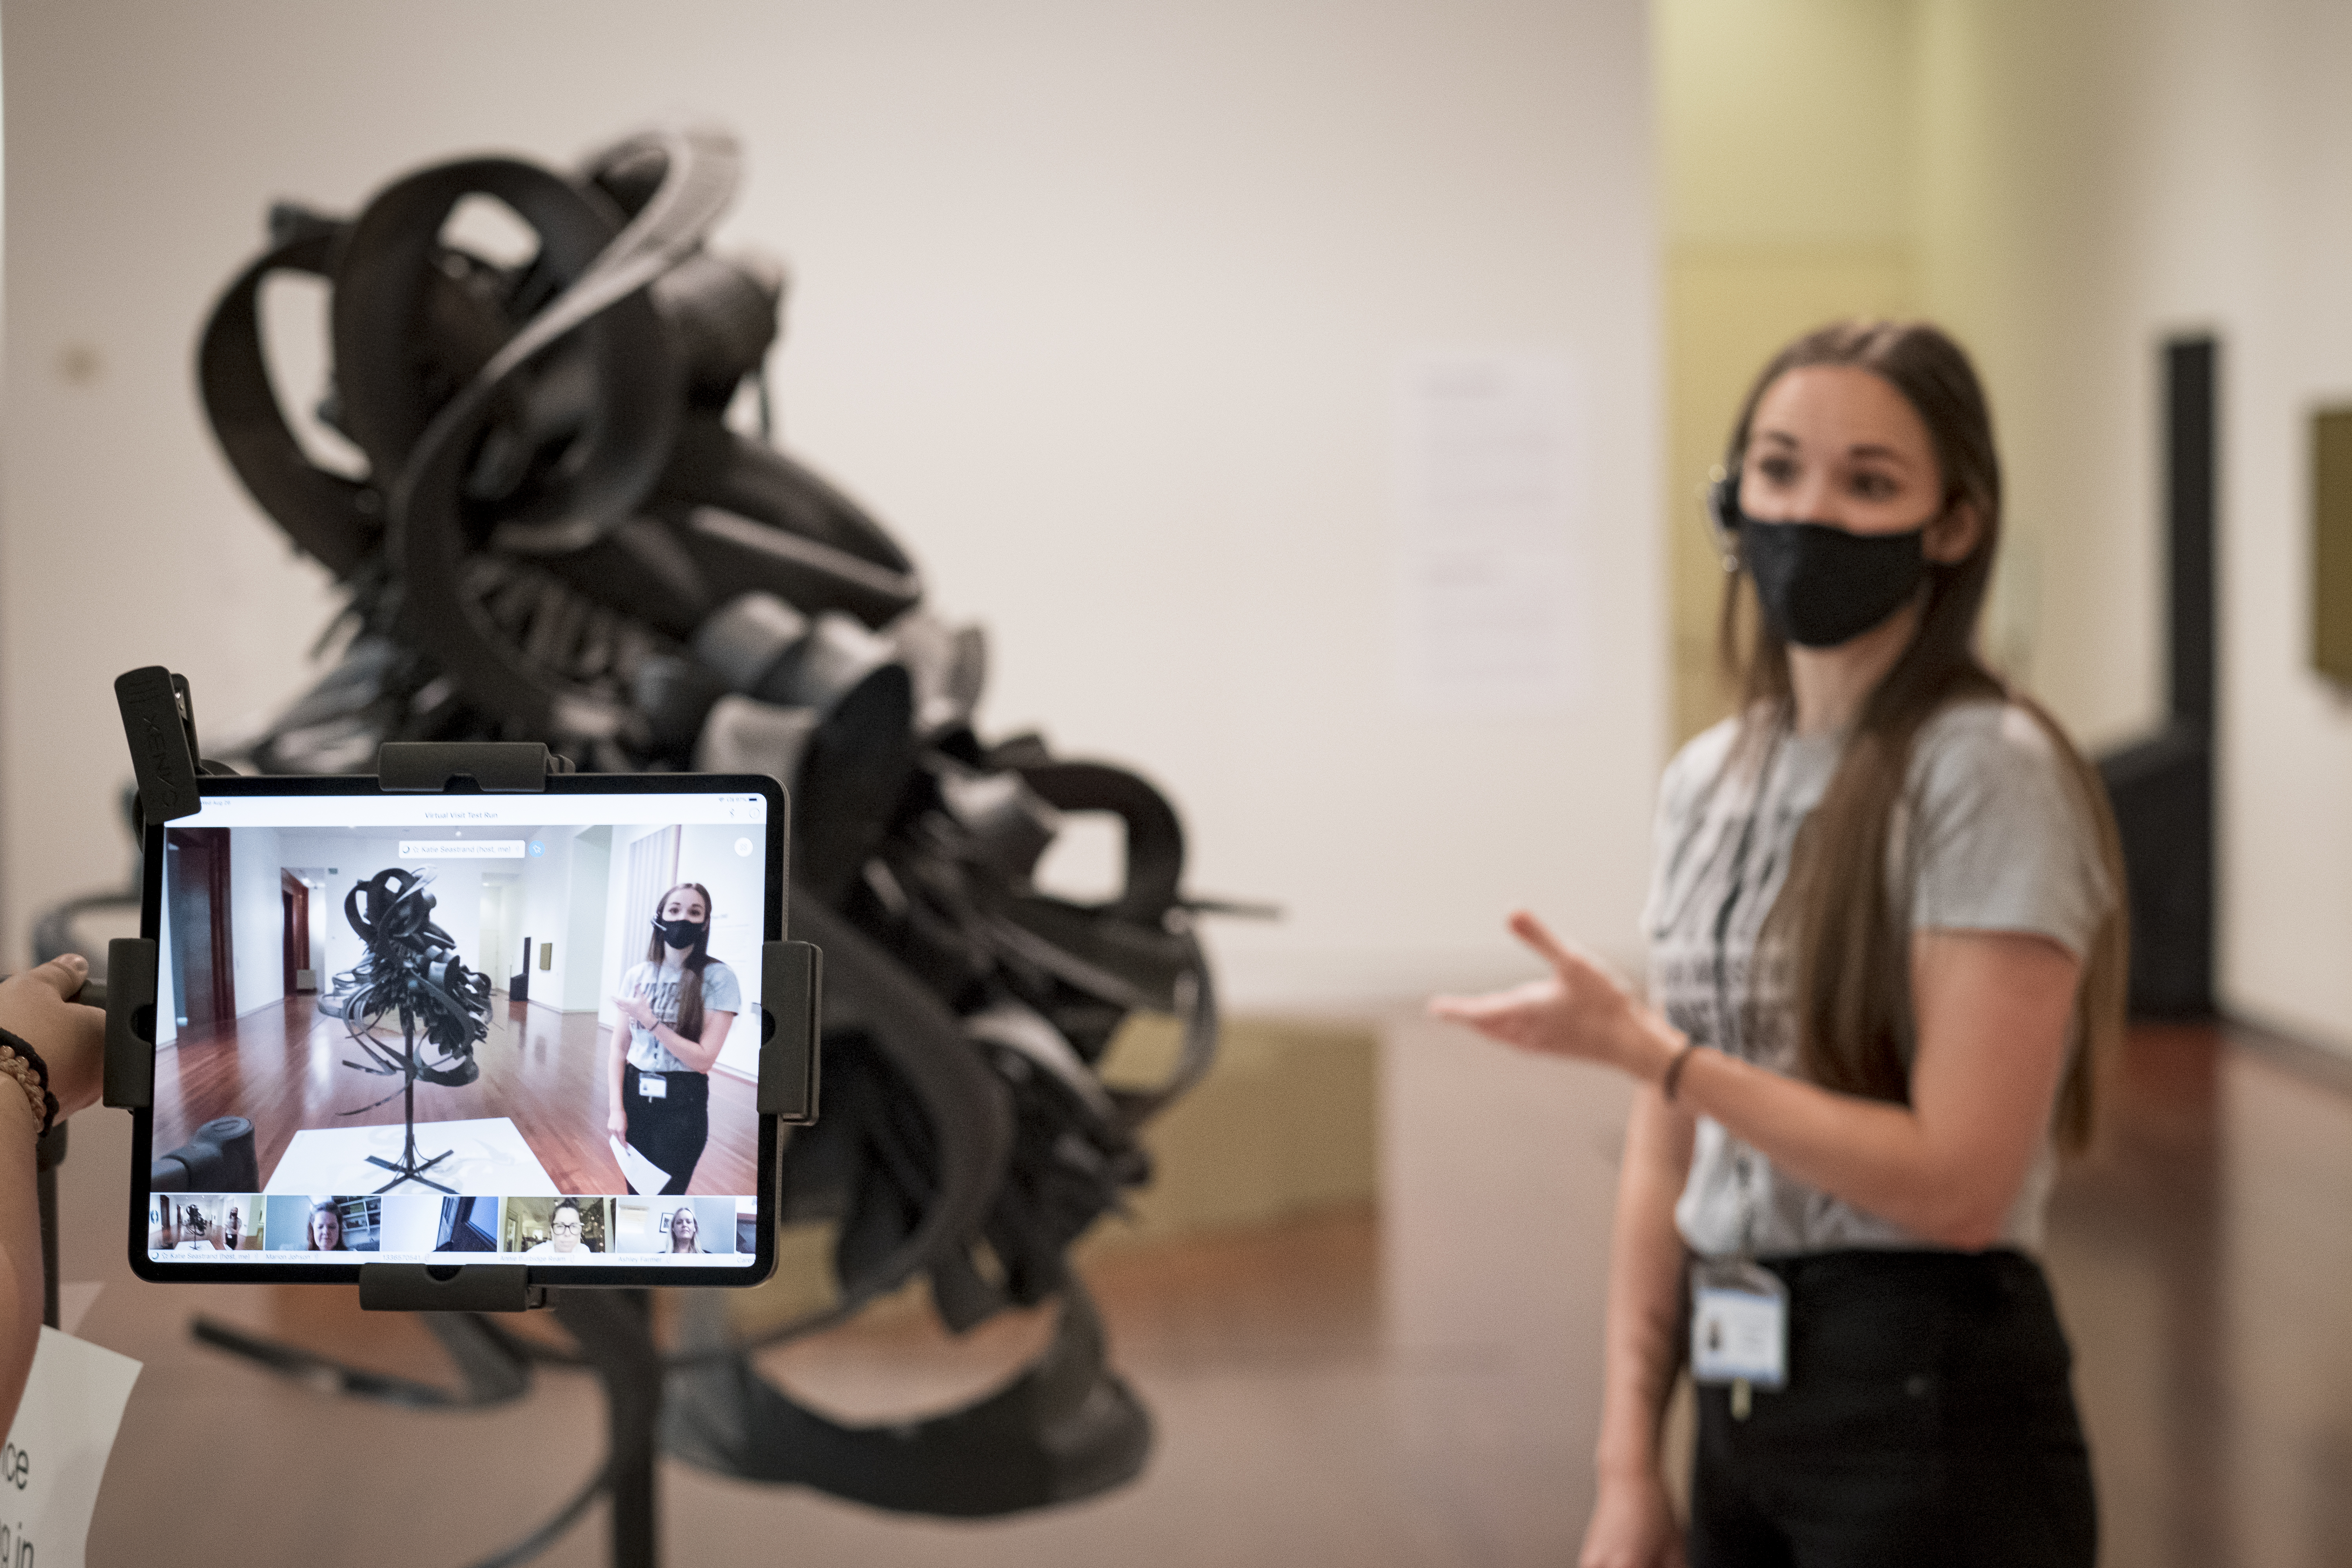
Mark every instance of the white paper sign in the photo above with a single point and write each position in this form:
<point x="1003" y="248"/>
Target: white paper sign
<point x="644" y="1175"/>
<point x="1491" y="473"/>
<point x="56" y="1452"/>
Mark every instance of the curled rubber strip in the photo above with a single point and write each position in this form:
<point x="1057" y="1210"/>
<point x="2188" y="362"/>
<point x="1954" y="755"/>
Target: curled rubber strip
<point x="337" y="520"/>
<point x="411" y="970"/>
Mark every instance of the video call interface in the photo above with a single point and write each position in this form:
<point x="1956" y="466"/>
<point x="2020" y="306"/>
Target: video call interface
<point x="578" y="993"/>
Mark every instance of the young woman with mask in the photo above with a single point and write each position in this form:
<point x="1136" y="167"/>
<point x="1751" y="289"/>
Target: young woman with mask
<point x="677" y="1006"/>
<point x="1886" y="948"/>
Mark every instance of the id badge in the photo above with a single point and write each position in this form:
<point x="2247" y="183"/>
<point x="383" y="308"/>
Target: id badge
<point x="1739" y="1325"/>
<point x="653" y="1086"/>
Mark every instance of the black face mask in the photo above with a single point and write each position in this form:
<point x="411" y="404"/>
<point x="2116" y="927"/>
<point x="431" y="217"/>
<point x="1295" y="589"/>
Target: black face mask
<point x="1819" y="585"/>
<point x="682" y="934"/>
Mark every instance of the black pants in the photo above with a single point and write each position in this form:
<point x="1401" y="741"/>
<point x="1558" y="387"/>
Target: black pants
<point x="1929" y="1421"/>
<point x="672" y="1130"/>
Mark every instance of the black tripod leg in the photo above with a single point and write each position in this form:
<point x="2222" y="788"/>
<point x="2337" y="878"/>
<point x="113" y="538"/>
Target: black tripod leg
<point x="408" y="1093"/>
<point x="49" y="1153"/>
<point x="408" y="1168"/>
<point x="615" y="1334"/>
<point x="409" y="1176"/>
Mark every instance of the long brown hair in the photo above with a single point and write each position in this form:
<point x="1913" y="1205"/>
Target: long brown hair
<point x="698" y="957"/>
<point x="1851" y="953"/>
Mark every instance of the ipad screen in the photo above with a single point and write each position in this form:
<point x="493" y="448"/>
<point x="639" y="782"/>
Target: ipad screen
<point x="574" y="976"/>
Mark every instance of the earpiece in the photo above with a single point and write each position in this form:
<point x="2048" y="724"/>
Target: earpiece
<point x="1722" y="495"/>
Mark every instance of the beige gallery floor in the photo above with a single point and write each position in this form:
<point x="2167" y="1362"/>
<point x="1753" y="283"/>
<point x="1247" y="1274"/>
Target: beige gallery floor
<point x="1408" y="1383"/>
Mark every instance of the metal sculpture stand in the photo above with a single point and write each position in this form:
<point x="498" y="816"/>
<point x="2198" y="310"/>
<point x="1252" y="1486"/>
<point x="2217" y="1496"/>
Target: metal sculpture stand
<point x="411" y="965"/>
<point x="48" y="1154"/>
<point x="614" y="1330"/>
<point x="615" y="1334"/>
<point x="407" y="1168"/>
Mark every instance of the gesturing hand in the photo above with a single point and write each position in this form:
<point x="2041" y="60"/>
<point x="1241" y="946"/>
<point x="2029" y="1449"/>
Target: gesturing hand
<point x="636" y="1010"/>
<point x="1580" y="1009"/>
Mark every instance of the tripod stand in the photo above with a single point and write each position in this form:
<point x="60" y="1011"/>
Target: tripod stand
<point x="407" y="1168"/>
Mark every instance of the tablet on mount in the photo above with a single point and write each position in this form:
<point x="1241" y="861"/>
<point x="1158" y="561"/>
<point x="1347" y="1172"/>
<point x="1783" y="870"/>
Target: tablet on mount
<point x="335" y="1074"/>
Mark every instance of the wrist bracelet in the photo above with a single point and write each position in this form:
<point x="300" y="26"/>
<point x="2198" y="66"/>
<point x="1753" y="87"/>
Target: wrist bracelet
<point x="22" y="1074"/>
<point x="1673" y="1073"/>
<point x="20" y="1061"/>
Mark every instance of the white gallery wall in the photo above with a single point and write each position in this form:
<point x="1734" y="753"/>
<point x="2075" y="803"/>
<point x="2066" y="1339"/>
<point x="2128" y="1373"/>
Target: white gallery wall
<point x="1101" y="308"/>
<point x="257" y="920"/>
<point x="583" y="989"/>
<point x="2104" y="175"/>
<point x="2253" y="128"/>
<point x="548" y="888"/>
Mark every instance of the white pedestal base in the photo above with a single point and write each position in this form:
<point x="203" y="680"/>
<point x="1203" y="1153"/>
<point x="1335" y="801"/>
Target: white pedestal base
<point x="487" y="1158"/>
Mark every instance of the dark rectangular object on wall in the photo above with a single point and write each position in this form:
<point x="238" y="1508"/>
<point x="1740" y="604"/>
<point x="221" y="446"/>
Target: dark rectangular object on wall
<point x="2331" y="545"/>
<point x="2162" y="787"/>
<point x="202" y="957"/>
<point x="2191" y="465"/>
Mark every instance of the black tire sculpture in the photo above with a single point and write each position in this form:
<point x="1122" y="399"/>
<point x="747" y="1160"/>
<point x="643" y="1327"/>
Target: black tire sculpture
<point x="560" y="536"/>
<point x="411" y="970"/>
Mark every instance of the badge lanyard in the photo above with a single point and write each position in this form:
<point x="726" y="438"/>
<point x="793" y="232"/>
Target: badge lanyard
<point x="1739" y="1328"/>
<point x="654" y="1085"/>
<point x="1739" y="1309"/>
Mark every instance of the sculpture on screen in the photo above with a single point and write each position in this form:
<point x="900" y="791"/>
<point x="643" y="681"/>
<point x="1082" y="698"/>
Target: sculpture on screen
<point x="410" y="971"/>
<point x="563" y="517"/>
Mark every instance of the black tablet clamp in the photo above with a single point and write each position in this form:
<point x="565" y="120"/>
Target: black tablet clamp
<point x="612" y="1326"/>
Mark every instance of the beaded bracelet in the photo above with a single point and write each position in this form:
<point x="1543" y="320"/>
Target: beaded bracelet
<point x="22" y="1072"/>
<point x="23" y="1063"/>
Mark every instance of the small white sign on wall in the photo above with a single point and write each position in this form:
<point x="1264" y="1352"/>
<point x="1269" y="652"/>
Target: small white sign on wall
<point x="1491" y="470"/>
<point x="55" y="1452"/>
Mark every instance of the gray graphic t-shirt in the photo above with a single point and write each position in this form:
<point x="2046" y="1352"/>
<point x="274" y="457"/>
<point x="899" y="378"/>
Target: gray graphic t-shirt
<point x="1987" y="838"/>
<point x="657" y="983"/>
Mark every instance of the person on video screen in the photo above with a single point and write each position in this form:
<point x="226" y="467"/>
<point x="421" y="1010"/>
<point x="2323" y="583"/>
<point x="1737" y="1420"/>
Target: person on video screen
<point x="678" y="1006"/>
<point x="326" y="1226"/>
<point x="185" y="1228"/>
<point x="683" y="1230"/>
<point x="564" y="1229"/>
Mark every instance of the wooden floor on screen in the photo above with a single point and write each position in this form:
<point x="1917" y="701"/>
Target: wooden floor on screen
<point x="281" y="1068"/>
